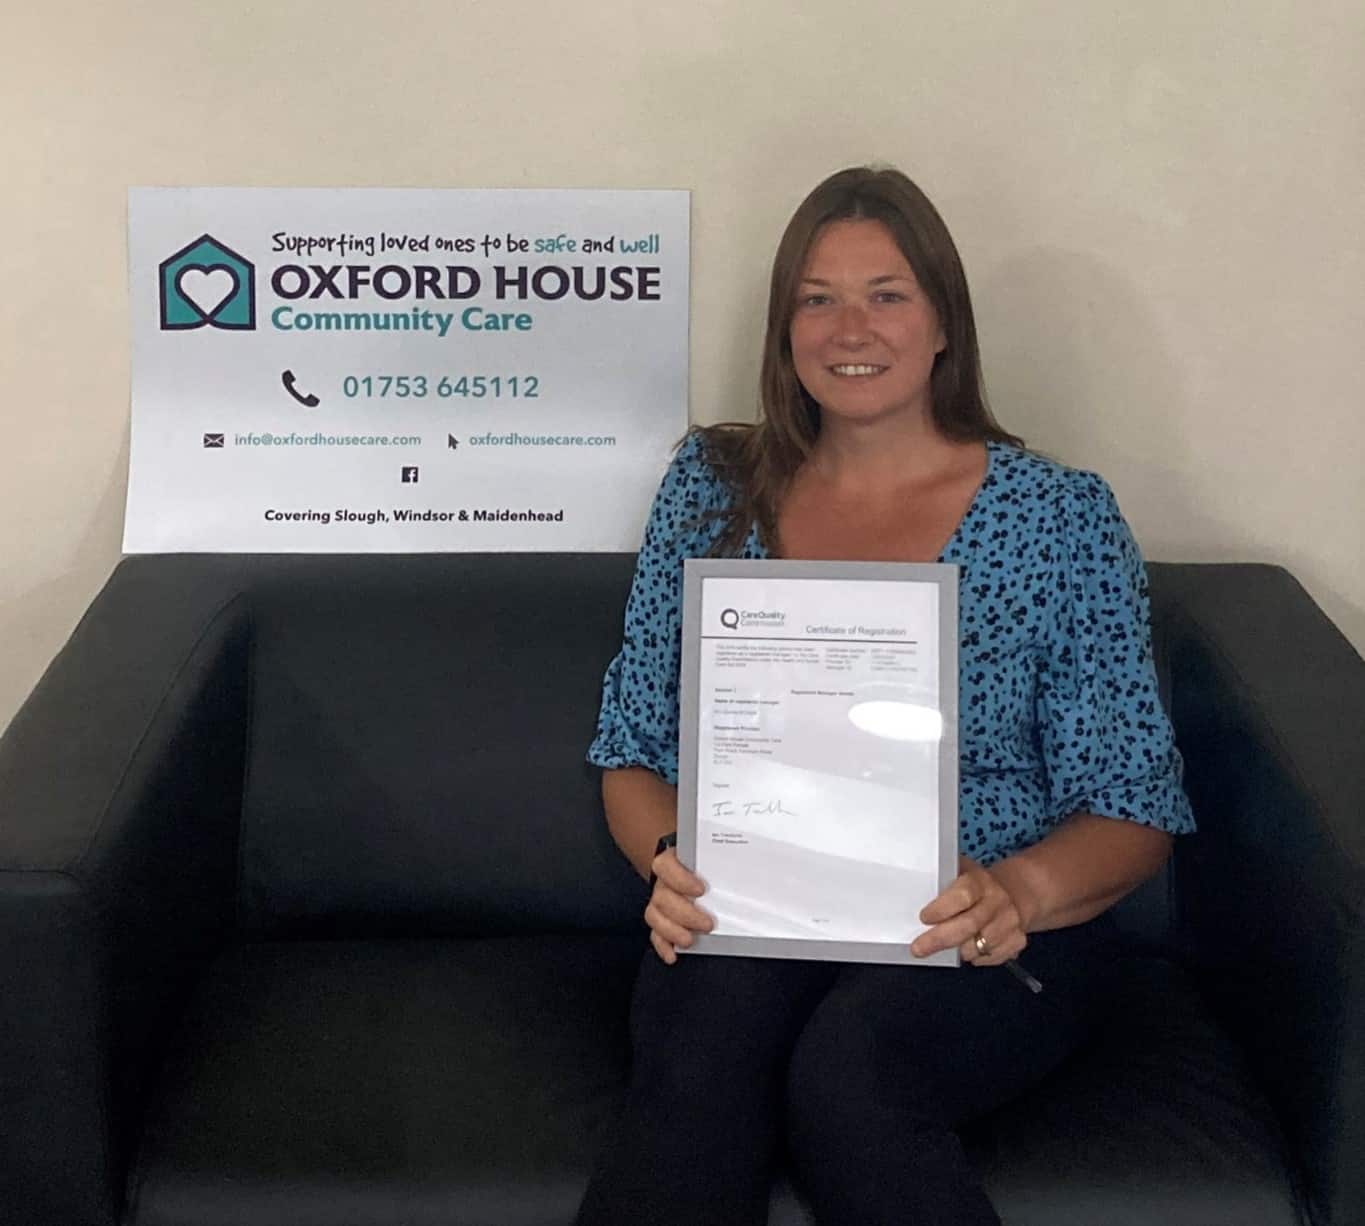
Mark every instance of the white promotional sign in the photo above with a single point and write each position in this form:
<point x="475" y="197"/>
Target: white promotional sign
<point x="402" y="370"/>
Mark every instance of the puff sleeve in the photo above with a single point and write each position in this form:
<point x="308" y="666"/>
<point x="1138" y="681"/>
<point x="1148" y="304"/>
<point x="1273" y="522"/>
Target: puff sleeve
<point x="638" y="722"/>
<point x="1107" y="745"/>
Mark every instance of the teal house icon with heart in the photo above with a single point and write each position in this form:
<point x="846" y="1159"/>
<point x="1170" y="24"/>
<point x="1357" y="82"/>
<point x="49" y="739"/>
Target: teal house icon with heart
<point x="207" y="284"/>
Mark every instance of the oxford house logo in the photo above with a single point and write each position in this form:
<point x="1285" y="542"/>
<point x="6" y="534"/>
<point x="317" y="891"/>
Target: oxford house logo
<point x="207" y="284"/>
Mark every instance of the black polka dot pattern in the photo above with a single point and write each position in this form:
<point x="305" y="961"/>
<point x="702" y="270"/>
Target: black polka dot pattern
<point x="1058" y="707"/>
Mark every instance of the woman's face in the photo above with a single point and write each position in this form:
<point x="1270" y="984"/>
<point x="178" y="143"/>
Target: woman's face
<point x="863" y="334"/>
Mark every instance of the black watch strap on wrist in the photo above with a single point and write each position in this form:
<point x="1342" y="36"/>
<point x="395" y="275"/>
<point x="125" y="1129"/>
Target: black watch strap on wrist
<point x="669" y="840"/>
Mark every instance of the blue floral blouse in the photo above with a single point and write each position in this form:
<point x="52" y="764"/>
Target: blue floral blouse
<point x="1057" y="694"/>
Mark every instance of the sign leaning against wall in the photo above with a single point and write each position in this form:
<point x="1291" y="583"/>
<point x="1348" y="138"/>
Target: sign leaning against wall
<point x="386" y="370"/>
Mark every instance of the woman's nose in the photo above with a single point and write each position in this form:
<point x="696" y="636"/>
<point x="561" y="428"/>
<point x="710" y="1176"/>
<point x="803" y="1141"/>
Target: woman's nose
<point x="851" y="325"/>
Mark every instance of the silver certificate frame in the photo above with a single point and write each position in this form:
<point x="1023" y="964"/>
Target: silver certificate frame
<point x="798" y="721"/>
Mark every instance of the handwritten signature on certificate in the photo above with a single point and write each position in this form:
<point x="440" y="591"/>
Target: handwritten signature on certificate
<point x="749" y="808"/>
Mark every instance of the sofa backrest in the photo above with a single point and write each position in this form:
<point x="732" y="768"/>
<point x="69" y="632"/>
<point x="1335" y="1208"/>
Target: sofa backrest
<point x="416" y="740"/>
<point x="415" y="757"/>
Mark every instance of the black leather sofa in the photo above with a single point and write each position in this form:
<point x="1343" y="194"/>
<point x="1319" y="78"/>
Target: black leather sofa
<point x="308" y="916"/>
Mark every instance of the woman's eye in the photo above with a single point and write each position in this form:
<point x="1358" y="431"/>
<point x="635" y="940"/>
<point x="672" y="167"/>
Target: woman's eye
<point x="890" y="295"/>
<point x="815" y="300"/>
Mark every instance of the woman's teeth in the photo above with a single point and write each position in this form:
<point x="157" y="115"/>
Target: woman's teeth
<point x="857" y="370"/>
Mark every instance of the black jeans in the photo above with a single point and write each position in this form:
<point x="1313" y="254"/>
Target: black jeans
<point x="859" y="1073"/>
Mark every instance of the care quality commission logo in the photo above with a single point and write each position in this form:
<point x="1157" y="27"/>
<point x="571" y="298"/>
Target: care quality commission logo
<point x="207" y="284"/>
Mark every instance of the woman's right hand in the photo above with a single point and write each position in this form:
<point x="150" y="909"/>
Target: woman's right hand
<point x="672" y="914"/>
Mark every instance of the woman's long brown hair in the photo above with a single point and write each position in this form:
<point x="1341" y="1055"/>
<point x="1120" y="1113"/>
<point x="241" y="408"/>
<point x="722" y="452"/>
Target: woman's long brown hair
<point x="758" y="461"/>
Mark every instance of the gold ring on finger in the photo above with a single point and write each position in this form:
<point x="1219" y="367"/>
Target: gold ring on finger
<point x="983" y="949"/>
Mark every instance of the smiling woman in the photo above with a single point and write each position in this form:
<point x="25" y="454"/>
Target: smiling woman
<point x="875" y="443"/>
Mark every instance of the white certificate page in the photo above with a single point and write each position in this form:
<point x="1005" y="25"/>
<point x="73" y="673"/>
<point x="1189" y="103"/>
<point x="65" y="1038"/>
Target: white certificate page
<point x="819" y="746"/>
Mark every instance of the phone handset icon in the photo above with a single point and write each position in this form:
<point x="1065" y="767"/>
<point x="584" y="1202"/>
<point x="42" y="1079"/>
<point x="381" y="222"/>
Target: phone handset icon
<point x="309" y="401"/>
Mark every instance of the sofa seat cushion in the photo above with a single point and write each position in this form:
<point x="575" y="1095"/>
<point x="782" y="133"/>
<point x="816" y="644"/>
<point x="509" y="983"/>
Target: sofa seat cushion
<point x="401" y="1083"/>
<point x="379" y="1083"/>
<point x="1156" y="1120"/>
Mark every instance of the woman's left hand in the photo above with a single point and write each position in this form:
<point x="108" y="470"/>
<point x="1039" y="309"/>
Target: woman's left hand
<point x="976" y="904"/>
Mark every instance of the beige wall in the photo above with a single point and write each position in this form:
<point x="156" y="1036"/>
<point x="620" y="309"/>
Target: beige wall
<point x="1159" y="204"/>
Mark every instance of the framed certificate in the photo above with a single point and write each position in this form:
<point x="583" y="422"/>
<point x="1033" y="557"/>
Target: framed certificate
<point x="818" y="754"/>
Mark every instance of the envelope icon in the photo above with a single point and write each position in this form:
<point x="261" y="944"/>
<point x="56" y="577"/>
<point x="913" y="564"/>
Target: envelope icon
<point x="213" y="440"/>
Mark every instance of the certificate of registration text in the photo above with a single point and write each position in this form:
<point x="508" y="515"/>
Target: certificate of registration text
<point x="818" y="772"/>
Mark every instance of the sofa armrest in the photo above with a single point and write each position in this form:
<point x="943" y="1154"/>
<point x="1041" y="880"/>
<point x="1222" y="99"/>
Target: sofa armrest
<point x="1269" y="707"/>
<point x="120" y="798"/>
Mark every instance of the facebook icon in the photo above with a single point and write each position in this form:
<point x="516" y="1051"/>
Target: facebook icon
<point x="410" y="475"/>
